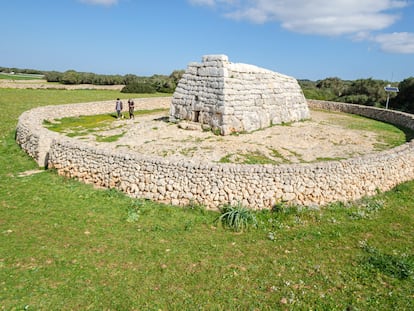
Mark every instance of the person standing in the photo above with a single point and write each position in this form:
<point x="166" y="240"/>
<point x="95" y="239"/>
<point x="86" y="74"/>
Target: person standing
<point x="131" y="106"/>
<point x="118" y="107"/>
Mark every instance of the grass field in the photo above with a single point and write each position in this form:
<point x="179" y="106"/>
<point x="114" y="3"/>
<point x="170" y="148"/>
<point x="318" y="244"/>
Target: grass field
<point x="20" y="76"/>
<point x="67" y="246"/>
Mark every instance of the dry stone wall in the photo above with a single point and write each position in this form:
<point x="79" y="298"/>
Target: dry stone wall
<point x="235" y="97"/>
<point x="212" y="185"/>
<point x="36" y="140"/>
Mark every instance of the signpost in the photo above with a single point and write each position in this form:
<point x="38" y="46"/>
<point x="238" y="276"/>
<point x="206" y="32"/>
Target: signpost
<point x="390" y="89"/>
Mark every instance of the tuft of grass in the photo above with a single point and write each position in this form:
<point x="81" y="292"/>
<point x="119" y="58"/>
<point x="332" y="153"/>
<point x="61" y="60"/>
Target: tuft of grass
<point x="248" y="158"/>
<point x="109" y="139"/>
<point x="134" y="211"/>
<point x="366" y="208"/>
<point x="324" y="159"/>
<point x="188" y="152"/>
<point x="400" y="266"/>
<point x="276" y="154"/>
<point x="216" y="131"/>
<point x="150" y="111"/>
<point x="257" y="158"/>
<point x="237" y="218"/>
<point x="226" y="159"/>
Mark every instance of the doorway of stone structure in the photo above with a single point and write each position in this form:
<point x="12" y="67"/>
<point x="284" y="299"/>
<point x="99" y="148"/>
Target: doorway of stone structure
<point x="196" y="109"/>
<point x="196" y="115"/>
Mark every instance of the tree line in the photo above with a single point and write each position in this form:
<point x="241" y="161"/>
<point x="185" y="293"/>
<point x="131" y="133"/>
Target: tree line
<point x="369" y="92"/>
<point x="133" y="83"/>
<point x="361" y="91"/>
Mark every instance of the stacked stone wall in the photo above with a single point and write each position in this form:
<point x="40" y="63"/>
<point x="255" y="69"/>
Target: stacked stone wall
<point x="212" y="185"/>
<point x="35" y="139"/>
<point x="235" y="97"/>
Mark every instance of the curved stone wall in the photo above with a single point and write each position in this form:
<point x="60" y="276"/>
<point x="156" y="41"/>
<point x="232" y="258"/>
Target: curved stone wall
<point x="212" y="185"/>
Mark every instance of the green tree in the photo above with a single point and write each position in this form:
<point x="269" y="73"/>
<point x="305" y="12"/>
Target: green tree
<point x="70" y="77"/>
<point x="139" y="87"/>
<point x="53" y="76"/>
<point x="335" y="85"/>
<point x="368" y="92"/>
<point x="312" y="92"/>
<point x="176" y="75"/>
<point x="130" y="78"/>
<point x="405" y="98"/>
<point x="87" y="77"/>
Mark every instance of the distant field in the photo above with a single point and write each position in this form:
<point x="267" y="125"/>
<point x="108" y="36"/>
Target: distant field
<point x="67" y="246"/>
<point x="20" y="76"/>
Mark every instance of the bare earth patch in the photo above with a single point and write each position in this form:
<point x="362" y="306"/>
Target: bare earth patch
<point x="29" y="173"/>
<point x="323" y="137"/>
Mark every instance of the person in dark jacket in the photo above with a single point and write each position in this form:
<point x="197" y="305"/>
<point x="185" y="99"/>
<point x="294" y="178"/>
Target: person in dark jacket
<point x="131" y="106"/>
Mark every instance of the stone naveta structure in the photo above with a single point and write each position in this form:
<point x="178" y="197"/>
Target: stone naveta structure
<point x="235" y="97"/>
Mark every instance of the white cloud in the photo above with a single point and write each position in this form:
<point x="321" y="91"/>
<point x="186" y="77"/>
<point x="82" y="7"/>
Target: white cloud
<point x="100" y="2"/>
<point x="397" y="42"/>
<point x="203" y="2"/>
<point x="322" y="17"/>
<point x="215" y="3"/>
<point x="357" y="19"/>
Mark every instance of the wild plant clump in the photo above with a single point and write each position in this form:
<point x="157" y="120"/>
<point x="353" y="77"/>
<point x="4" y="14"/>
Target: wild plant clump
<point x="237" y="218"/>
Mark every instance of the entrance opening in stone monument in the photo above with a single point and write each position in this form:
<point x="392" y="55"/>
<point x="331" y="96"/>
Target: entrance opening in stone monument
<point x="196" y="115"/>
<point x="235" y="97"/>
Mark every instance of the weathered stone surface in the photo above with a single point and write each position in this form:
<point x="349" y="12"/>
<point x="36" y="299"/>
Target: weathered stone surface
<point x="238" y="97"/>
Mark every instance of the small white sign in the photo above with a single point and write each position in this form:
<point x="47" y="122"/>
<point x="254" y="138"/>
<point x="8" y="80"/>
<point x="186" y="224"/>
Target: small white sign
<point x="391" y="89"/>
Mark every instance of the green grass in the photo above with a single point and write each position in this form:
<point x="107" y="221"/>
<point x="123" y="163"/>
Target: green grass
<point x="82" y="122"/>
<point x="389" y="135"/>
<point x="188" y="151"/>
<point x="227" y="158"/>
<point x="85" y="125"/>
<point x="27" y="99"/>
<point x="18" y="76"/>
<point x="255" y="157"/>
<point x="323" y="159"/>
<point x="109" y="139"/>
<point x="82" y="125"/>
<point x="68" y="246"/>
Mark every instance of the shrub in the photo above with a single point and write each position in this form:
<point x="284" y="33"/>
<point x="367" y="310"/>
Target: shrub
<point x="237" y="218"/>
<point x="70" y="77"/>
<point x="139" y="87"/>
<point x="53" y="76"/>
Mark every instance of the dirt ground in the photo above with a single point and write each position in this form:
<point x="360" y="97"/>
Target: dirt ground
<point x="323" y="137"/>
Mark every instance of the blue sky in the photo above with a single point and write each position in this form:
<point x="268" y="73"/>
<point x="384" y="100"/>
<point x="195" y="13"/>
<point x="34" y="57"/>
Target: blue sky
<point x="307" y="39"/>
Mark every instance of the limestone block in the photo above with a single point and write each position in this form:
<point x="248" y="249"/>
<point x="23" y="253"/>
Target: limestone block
<point x="216" y="57"/>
